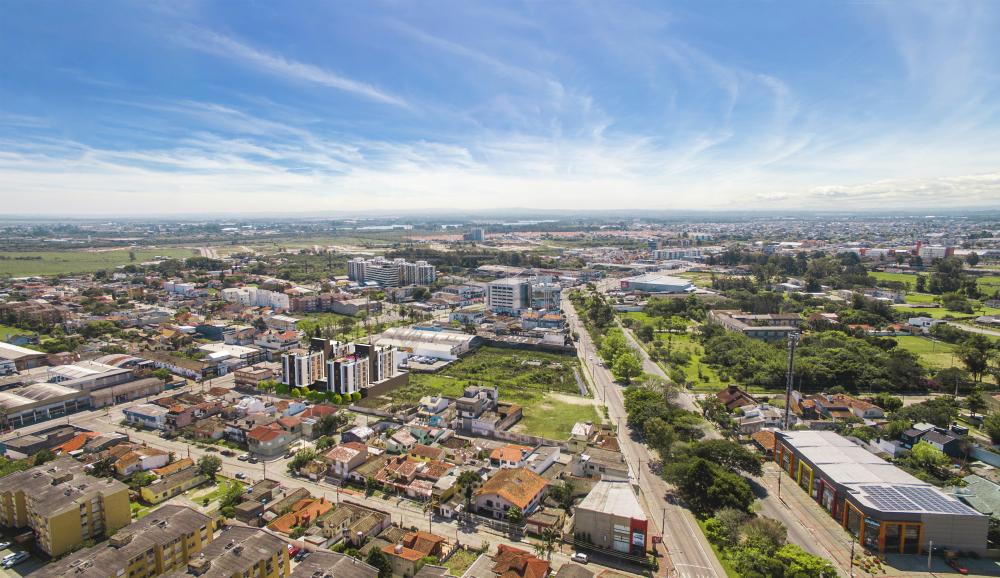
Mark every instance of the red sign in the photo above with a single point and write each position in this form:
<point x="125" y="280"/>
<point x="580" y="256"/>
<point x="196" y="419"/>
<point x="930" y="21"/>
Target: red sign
<point x="657" y="539"/>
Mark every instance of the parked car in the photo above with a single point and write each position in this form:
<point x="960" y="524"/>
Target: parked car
<point x="228" y="453"/>
<point x="289" y="454"/>
<point x="243" y="457"/>
<point x="253" y="460"/>
<point x="579" y="557"/>
<point x="241" y="476"/>
<point x="4" y="545"/>
<point x="14" y="559"/>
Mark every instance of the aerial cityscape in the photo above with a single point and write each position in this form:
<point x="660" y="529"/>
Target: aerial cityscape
<point x="499" y="289"/>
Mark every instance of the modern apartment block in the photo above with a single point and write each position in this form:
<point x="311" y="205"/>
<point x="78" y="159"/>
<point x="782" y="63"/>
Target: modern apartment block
<point x="63" y="505"/>
<point x="255" y="297"/>
<point x="301" y="368"/>
<point x="344" y="367"/>
<point x="163" y="541"/>
<point x="394" y="273"/>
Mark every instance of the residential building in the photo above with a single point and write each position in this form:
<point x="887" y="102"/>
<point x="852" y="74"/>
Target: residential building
<point x="509" y="456"/>
<point x="511" y="562"/>
<point x="611" y="518"/>
<point x="763" y="416"/>
<point x="301" y="368"/>
<point x="477" y="234"/>
<point x="887" y="509"/>
<point x="172" y="485"/>
<point x="734" y="397"/>
<point x="163" y="541"/>
<point x="141" y="459"/>
<point x="250" y="377"/>
<point x="62" y="505"/>
<point x="148" y="415"/>
<point x="510" y="487"/>
<point x="345" y="457"/>
<point x="405" y="556"/>
<point x="321" y="563"/>
<point x="269" y="440"/>
<point x="931" y="253"/>
<point x="394" y="273"/>
<point x="256" y="297"/>
<point x="596" y="462"/>
<point x="239" y="552"/>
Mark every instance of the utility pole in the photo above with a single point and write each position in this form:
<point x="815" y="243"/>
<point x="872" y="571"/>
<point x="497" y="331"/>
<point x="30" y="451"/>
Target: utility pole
<point x="793" y="339"/>
<point x="851" y="573"/>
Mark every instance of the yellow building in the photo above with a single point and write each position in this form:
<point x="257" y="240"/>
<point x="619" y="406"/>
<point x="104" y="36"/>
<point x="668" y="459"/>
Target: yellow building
<point x="163" y="541"/>
<point x="169" y="486"/>
<point x="63" y="505"/>
<point x="239" y="552"/>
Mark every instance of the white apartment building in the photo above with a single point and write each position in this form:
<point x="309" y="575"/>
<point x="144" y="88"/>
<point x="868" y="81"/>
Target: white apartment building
<point x="347" y="375"/>
<point x="510" y="296"/>
<point x="392" y="273"/>
<point x="301" y="368"/>
<point x="930" y="253"/>
<point x="255" y="297"/>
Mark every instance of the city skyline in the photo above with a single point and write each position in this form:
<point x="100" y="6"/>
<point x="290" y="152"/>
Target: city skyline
<point x="203" y="107"/>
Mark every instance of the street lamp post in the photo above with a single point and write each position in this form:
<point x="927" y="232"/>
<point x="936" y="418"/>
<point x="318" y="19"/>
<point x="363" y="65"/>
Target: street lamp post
<point x="793" y="339"/>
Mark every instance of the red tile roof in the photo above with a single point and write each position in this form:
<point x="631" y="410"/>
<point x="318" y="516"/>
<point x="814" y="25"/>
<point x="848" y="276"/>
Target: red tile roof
<point x="511" y="562"/>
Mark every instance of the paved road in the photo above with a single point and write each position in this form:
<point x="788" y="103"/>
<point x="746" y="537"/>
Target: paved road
<point x="690" y="553"/>
<point x="802" y="532"/>
<point x="975" y="329"/>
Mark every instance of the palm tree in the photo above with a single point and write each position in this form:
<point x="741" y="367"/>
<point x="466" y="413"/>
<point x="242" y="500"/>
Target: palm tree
<point x="468" y="480"/>
<point x="548" y="543"/>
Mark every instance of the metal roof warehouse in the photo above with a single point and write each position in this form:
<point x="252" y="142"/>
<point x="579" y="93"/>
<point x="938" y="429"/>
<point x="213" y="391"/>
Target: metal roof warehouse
<point x="888" y="509"/>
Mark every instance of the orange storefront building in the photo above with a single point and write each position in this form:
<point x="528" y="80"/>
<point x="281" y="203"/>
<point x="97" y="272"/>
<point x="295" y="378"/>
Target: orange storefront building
<point x="885" y="508"/>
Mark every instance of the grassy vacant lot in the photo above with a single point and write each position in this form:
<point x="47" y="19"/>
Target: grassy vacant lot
<point x="6" y="331"/>
<point x="709" y="380"/>
<point x="907" y="278"/>
<point x="933" y="354"/>
<point x="24" y="264"/>
<point x="460" y="561"/>
<point x="932" y="312"/>
<point x="527" y="378"/>
<point x="698" y="278"/>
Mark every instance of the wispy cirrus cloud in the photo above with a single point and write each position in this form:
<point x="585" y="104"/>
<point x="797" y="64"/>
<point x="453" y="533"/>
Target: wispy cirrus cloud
<point x="278" y="65"/>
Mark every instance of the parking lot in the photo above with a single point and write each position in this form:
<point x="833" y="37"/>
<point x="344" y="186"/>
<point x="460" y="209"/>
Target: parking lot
<point x="26" y="567"/>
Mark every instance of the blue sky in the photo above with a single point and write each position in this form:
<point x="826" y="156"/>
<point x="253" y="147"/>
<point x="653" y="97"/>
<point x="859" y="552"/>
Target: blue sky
<point x="188" y="106"/>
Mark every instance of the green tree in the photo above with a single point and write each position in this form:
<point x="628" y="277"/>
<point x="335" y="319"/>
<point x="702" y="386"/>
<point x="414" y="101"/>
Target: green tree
<point x="613" y="345"/>
<point x="728" y="454"/>
<point x="514" y="515"/>
<point x="626" y="367"/>
<point x="801" y="564"/>
<point x="888" y="402"/>
<point x="659" y="435"/>
<point x="378" y="559"/>
<point x="974" y="354"/>
<point x="975" y="400"/>
<point x="163" y="374"/>
<point x="991" y="425"/>
<point x="209" y="465"/>
<point x="42" y="456"/>
<point x="928" y="458"/>
<point x="548" y="543"/>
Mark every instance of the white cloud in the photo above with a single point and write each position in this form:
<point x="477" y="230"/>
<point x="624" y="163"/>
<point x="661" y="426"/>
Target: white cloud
<point x="276" y="64"/>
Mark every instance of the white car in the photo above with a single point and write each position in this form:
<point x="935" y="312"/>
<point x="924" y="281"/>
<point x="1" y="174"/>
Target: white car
<point x="579" y="557"/>
<point x="14" y="559"/>
<point x="4" y="545"/>
<point x="243" y="457"/>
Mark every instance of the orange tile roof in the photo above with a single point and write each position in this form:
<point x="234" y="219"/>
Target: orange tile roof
<point x="511" y="562"/>
<point x="423" y="542"/>
<point x="263" y="433"/>
<point x="765" y="438"/>
<point x="509" y="453"/>
<point x="404" y="552"/>
<point x="181" y="464"/>
<point x="304" y="513"/>
<point x="78" y="441"/>
<point x="516" y="485"/>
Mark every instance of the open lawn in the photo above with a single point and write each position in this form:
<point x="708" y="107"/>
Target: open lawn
<point x="25" y="264"/>
<point x="933" y="354"/>
<point x="920" y="297"/>
<point x="309" y="321"/>
<point x="932" y="312"/>
<point x="709" y="380"/>
<point x="698" y="278"/>
<point x="988" y="283"/>
<point x="907" y="278"/>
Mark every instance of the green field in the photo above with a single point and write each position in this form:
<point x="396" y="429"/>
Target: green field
<point x="698" y="278"/>
<point x="932" y="312"/>
<point x="18" y="264"/>
<point x="920" y="298"/>
<point x="6" y="331"/>
<point x="542" y="383"/>
<point x="709" y="380"/>
<point x="934" y="354"/>
<point x="907" y="278"/>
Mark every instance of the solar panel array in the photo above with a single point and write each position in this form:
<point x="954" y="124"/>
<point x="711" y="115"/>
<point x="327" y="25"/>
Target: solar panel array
<point x="913" y="499"/>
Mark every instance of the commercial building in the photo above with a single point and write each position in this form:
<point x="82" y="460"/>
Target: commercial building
<point x="611" y="518"/>
<point x="508" y="296"/>
<point x="447" y="345"/>
<point x="766" y="327"/>
<point x="887" y="509"/>
<point x="163" y="541"/>
<point x="22" y="357"/>
<point x="40" y="402"/>
<point x="62" y="505"/>
<point x="656" y="283"/>
<point x="148" y="415"/>
<point x="394" y="273"/>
